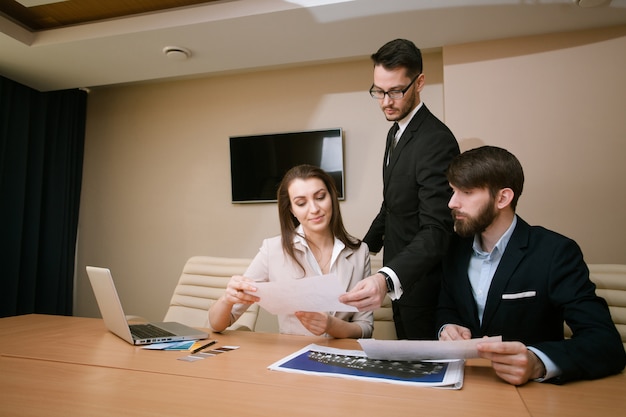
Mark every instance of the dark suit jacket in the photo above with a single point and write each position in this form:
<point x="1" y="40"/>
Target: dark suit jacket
<point x="541" y="281"/>
<point x="414" y="223"/>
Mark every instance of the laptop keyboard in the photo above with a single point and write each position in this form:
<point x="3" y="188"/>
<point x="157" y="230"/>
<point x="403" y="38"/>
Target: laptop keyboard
<point x="148" y="331"/>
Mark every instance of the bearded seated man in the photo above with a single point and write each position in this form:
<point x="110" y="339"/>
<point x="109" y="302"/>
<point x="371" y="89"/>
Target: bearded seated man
<point x="504" y="277"/>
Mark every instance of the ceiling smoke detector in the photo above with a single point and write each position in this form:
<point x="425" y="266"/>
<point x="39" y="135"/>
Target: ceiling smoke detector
<point x="176" y="53"/>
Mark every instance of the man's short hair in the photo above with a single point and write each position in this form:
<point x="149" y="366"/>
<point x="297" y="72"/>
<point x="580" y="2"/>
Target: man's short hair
<point x="399" y="53"/>
<point x="487" y="167"/>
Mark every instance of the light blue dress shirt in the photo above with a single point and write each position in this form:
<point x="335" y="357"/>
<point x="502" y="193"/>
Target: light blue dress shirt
<point x="483" y="266"/>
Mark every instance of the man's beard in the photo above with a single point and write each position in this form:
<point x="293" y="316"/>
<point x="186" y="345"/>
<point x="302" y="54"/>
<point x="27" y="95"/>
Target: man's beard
<point x="470" y="226"/>
<point x="406" y="109"/>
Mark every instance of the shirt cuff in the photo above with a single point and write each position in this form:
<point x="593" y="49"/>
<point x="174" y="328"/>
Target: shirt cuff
<point x="552" y="370"/>
<point x="397" y="286"/>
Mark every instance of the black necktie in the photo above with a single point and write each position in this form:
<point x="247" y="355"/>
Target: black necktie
<point x="391" y="136"/>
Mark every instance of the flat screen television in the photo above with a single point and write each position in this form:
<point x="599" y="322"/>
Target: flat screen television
<point x="259" y="162"/>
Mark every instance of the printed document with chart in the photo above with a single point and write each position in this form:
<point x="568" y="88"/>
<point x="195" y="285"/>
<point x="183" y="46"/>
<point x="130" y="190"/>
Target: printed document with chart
<point x="354" y="364"/>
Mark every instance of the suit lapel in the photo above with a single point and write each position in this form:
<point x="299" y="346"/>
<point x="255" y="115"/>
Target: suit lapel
<point x="513" y="255"/>
<point x="407" y="136"/>
<point x="387" y="147"/>
<point x="345" y="268"/>
<point x="465" y="287"/>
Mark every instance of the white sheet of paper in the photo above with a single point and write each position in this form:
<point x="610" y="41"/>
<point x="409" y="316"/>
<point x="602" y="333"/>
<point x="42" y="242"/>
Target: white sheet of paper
<point x="415" y="350"/>
<point x="319" y="293"/>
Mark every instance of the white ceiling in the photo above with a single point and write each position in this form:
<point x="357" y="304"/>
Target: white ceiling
<point x="244" y="35"/>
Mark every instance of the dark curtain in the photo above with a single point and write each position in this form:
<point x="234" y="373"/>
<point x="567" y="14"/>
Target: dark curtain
<point x="41" y="157"/>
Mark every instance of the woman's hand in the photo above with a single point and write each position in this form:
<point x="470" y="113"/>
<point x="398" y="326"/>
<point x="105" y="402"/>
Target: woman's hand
<point x="237" y="291"/>
<point x="316" y="323"/>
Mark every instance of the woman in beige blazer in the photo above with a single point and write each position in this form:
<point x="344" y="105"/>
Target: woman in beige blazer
<point x="313" y="242"/>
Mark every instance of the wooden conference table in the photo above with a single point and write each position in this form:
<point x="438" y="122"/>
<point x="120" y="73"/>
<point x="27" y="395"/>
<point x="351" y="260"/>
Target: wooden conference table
<point x="71" y="366"/>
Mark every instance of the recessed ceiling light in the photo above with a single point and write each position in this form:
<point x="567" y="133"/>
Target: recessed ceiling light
<point x="176" y="53"/>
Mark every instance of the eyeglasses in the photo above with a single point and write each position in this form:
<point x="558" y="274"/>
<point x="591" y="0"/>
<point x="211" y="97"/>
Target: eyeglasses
<point x="379" y="94"/>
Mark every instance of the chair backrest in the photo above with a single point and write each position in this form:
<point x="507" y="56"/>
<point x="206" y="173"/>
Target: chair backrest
<point x="610" y="280"/>
<point x="202" y="282"/>
<point x="384" y="327"/>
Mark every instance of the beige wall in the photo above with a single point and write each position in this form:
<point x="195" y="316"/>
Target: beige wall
<point x="156" y="186"/>
<point x="558" y="103"/>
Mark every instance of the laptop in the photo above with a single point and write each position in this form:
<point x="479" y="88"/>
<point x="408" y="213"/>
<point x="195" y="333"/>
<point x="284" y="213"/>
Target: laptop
<point x="115" y="319"/>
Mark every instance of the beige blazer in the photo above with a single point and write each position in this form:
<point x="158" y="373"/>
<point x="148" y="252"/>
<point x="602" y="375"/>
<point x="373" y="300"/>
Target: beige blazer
<point x="272" y="264"/>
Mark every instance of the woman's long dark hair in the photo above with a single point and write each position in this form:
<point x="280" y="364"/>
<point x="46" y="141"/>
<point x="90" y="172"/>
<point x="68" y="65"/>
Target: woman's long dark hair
<point x="288" y="222"/>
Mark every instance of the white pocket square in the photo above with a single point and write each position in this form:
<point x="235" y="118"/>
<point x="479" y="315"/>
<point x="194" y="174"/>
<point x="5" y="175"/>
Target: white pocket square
<point x="525" y="294"/>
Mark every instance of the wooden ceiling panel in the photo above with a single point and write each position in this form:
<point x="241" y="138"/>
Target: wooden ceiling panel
<point x="73" y="12"/>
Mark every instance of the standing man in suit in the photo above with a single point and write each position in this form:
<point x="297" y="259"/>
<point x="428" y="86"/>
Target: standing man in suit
<point x="413" y="224"/>
<point x="504" y="277"/>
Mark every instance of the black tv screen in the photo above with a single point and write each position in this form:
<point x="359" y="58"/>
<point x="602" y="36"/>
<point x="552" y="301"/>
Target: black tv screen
<point x="259" y="162"/>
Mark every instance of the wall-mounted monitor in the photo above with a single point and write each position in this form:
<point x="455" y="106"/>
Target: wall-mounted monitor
<point x="259" y="162"/>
